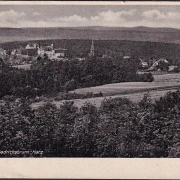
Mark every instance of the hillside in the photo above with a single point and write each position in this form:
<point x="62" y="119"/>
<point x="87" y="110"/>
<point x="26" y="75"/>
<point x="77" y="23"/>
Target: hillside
<point x="131" y="90"/>
<point x="81" y="47"/>
<point x="95" y="32"/>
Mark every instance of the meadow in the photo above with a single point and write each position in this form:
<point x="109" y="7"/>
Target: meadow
<point x="160" y="81"/>
<point x="132" y="90"/>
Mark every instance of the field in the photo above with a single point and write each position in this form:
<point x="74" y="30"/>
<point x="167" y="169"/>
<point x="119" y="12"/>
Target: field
<point x="24" y="66"/>
<point x="161" y="81"/>
<point x="132" y="90"/>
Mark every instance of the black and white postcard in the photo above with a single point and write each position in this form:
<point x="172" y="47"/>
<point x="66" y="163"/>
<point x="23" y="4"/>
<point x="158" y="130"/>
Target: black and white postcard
<point x="85" y="81"/>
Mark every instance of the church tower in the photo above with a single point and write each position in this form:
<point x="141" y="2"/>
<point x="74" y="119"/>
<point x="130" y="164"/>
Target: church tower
<point x="92" y="49"/>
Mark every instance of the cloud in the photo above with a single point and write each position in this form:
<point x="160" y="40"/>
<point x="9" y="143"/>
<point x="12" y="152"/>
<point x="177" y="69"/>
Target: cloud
<point x="160" y="16"/>
<point x="157" y="18"/>
<point x="103" y="18"/>
<point x="16" y="19"/>
<point x="112" y="18"/>
<point x="11" y="17"/>
<point x="36" y="14"/>
<point x="70" y="19"/>
<point x="128" y="18"/>
<point x="153" y="15"/>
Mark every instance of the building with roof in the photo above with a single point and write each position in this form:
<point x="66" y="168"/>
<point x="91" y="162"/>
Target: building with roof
<point x="2" y="52"/>
<point x="46" y="49"/>
<point x="29" y="52"/>
<point x="58" y="53"/>
<point x="32" y="46"/>
<point x="143" y="63"/>
<point x="157" y="63"/>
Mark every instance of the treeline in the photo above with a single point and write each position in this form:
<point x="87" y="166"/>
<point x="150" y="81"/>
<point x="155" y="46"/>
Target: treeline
<point x="81" y="48"/>
<point x="47" y="77"/>
<point x="119" y="128"/>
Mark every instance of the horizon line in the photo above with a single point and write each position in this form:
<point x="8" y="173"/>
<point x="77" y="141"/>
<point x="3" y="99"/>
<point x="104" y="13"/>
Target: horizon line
<point x="150" y="27"/>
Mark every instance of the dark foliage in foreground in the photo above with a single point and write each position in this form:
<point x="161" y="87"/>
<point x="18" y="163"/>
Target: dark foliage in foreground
<point x="119" y="128"/>
<point x="46" y="77"/>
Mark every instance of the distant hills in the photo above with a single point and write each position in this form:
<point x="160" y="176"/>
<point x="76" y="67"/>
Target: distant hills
<point x="168" y="35"/>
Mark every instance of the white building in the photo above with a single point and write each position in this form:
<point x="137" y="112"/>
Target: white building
<point x="32" y="46"/>
<point x="143" y="64"/>
<point x="2" y="52"/>
<point x="48" y="50"/>
<point x="126" y="57"/>
<point x="156" y="63"/>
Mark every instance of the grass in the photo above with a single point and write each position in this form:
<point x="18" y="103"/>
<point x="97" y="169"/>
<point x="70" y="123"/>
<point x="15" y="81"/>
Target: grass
<point x="161" y="81"/>
<point x="132" y="90"/>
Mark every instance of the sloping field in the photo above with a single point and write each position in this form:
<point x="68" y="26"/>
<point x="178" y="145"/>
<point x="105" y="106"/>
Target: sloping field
<point x="160" y="82"/>
<point x="135" y="97"/>
<point x="132" y="90"/>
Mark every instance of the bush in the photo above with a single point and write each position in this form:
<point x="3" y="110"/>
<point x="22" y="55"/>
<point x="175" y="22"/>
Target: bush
<point x="177" y="69"/>
<point x="146" y="77"/>
<point x="146" y="102"/>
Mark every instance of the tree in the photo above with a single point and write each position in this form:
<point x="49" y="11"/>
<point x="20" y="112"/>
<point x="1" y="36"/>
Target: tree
<point x="163" y="66"/>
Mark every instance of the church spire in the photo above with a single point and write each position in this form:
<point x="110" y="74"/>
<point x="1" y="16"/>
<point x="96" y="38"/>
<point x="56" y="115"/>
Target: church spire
<point x="92" y="49"/>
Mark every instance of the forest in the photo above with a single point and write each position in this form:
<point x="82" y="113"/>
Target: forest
<point x="114" y="48"/>
<point x="47" y="77"/>
<point x="119" y="128"/>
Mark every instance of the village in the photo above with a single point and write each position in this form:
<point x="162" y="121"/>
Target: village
<point x="29" y="53"/>
<point x="23" y="57"/>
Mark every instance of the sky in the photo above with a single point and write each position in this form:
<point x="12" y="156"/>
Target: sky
<point x="89" y="15"/>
